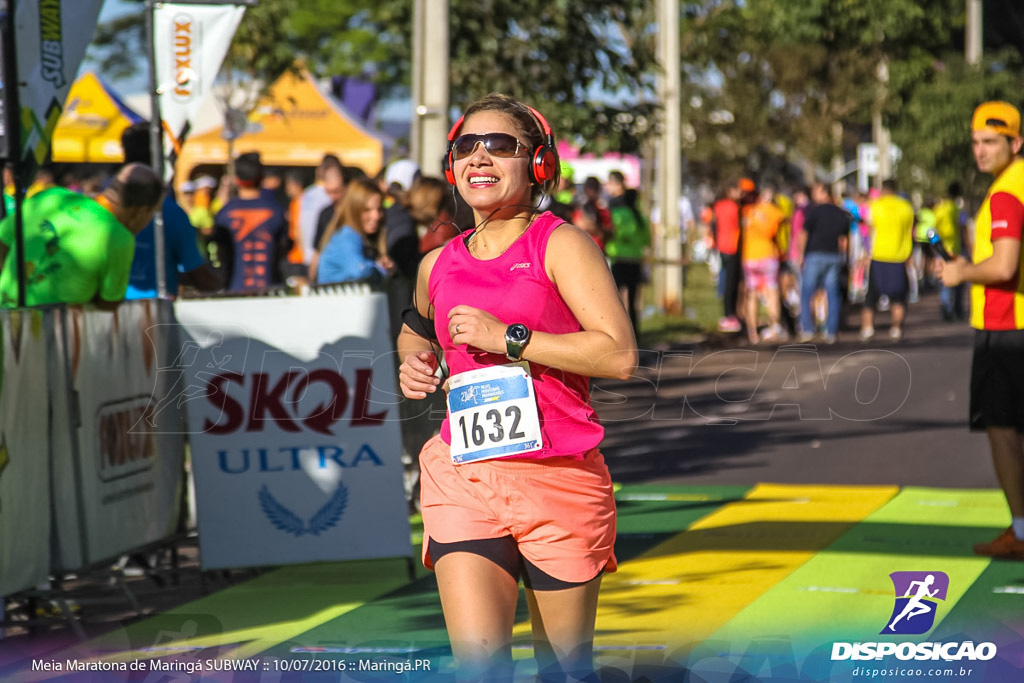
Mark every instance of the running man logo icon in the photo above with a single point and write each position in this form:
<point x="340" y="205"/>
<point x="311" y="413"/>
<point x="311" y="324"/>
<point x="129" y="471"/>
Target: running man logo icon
<point x="917" y="596"/>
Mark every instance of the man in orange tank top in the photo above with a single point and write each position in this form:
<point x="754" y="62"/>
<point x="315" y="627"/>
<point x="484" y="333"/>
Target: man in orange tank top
<point x="997" y="301"/>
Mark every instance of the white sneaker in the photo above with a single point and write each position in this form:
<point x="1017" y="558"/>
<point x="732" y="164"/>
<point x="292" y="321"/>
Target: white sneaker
<point x="806" y="337"/>
<point x="867" y="333"/>
<point x="772" y="333"/>
<point x="895" y="333"/>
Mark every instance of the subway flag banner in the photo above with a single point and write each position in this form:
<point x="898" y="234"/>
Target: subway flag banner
<point x="50" y="41"/>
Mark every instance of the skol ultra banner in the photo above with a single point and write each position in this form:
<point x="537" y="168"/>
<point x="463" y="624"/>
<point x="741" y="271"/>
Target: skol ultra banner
<point x="294" y="430"/>
<point x="190" y="42"/>
<point x="50" y="39"/>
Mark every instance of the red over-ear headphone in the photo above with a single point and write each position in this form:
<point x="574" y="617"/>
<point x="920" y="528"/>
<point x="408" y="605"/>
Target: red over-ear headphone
<point x="543" y="158"/>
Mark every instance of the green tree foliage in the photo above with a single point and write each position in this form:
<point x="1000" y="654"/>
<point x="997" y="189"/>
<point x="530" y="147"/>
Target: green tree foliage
<point x="356" y="38"/>
<point x="554" y="53"/>
<point x="117" y="44"/>
<point x="772" y="88"/>
<point x="934" y="128"/>
<point x="261" y="48"/>
<point x="800" y="80"/>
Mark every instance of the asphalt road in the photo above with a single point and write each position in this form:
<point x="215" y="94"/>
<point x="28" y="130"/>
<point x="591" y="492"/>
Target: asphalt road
<point x="880" y="412"/>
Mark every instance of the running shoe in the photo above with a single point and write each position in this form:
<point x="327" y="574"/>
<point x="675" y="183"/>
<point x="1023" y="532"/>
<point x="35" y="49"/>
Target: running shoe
<point x="773" y="333"/>
<point x="829" y="339"/>
<point x="806" y="337"/>
<point x="1005" y="546"/>
<point x="793" y="302"/>
<point x="895" y="333"/>
<point x="729" y="324"/>
<point x="867" y="333"/>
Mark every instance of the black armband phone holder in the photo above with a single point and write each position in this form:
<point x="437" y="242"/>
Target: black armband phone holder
<point x="421" y="325"/>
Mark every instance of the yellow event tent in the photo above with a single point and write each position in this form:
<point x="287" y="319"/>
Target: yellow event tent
<point x="89" y="129"/>
<point x="294" y="125"/>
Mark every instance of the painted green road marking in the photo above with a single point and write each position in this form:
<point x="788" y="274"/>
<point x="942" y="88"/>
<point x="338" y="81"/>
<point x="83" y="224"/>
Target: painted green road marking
<point x="412" y="614"/>
<point x="844" y="592"/>
<point x="810" y="552"/>
<point x="684" y="589"/>
<point x="247" y="619"/>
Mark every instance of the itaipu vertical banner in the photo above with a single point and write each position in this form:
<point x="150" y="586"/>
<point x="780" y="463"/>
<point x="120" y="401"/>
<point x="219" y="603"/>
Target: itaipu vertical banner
<point x="189" y="42"/>
<point x="50" y="39"/>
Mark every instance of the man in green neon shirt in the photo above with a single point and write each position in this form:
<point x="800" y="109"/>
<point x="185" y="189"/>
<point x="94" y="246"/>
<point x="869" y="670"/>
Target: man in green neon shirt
<point x="79" y="250"/>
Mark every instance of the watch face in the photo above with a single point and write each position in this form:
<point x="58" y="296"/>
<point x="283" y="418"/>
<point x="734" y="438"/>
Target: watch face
<point x="517" y="332"/>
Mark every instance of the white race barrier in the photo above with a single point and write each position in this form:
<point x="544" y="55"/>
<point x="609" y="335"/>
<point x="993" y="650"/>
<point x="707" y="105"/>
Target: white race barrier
<point x="24" y="465"/>
<point x="118" y="487"/>
<point x="294" y="431"/>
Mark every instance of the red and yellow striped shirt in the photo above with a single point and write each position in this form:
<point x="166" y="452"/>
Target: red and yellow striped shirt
<point x="1000" y="306"/>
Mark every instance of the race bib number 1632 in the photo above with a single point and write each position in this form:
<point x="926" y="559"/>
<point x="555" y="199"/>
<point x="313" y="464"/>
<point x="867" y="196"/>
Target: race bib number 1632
<point x="492" y="413"/>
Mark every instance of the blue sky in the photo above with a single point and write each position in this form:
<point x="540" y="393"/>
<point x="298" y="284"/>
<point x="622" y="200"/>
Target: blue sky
<point x="130" y="86"/>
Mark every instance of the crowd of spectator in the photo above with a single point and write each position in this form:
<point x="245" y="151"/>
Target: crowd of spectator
<point x="247" y="232"/>
<point x="789" y="264"/>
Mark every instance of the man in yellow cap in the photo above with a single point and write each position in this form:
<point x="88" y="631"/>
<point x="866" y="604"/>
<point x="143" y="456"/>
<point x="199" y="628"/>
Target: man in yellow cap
<point x="997" y="311"/>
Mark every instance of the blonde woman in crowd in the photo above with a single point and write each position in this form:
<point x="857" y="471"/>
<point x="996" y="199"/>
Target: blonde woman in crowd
<point x="352" y="247"/>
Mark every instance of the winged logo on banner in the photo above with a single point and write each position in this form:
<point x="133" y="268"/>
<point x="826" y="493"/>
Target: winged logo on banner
<point x="286" y="520"/>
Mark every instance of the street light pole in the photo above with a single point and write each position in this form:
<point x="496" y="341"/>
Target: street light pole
<point x="879" y="130"/>
<point x="156" y="144"/>
<point x="430" y="65"/>
<point x="972" y="33"/>
<point x="668" y="287"/>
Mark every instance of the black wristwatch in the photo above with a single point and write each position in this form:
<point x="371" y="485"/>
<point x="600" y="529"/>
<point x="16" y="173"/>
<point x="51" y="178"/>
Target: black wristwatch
<point x="517" y="335"/>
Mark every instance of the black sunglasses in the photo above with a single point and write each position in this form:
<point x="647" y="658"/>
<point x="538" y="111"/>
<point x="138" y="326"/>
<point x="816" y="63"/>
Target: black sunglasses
<point x="497" y="145"/>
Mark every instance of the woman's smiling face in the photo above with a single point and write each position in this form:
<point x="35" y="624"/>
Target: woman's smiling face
<point x="486" y="182"/>
<point x="372" y="215"/>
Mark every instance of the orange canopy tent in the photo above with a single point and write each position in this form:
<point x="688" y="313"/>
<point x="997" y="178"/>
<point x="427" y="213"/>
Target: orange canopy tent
<point x="294" y="125"/>
<point x="89" y="129"/>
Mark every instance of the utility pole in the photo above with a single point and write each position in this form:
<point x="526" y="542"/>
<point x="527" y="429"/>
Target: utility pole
<point x="879" y="131"/>
<point x="668" y="286"/>
<point x="972" y="33"/>
<point x="430" y="66"/>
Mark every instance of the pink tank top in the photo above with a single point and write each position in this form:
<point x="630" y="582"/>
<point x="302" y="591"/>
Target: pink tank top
<point x="515" y="288"/>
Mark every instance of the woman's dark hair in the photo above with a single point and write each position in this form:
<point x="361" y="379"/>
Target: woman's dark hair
<point x="428" y="199"/>
<point x="249" y="168"/>
<point x="631" y="197"/>
<point x="135" y="142"/>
